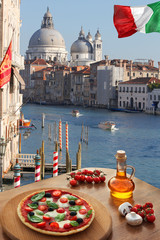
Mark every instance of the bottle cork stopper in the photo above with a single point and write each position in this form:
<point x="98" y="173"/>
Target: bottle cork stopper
<point x="121" y="155"/>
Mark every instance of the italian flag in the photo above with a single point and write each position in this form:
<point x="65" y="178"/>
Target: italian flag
<point x="129" y="20"/>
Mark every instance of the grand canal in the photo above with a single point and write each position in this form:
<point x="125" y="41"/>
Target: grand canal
<point x="137" y="133"/>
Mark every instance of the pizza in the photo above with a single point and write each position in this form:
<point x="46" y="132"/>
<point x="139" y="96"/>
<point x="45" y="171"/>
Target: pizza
<point x="55" y="212"/>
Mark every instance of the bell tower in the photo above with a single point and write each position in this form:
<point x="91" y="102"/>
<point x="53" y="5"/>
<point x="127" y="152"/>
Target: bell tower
<point x="97" y="44"/>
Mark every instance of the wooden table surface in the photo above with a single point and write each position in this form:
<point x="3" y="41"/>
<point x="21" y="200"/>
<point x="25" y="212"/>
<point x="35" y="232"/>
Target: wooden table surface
<point x="120" y="229"/>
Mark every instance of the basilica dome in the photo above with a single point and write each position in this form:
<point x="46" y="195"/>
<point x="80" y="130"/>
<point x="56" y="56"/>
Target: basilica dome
<point x="81" y="45"/>
<point x="47" y="43"/>
<point x="47" y="37"/>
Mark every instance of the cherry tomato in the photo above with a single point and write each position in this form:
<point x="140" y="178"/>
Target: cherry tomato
<point x="96" y="179"/>
<point x="43" y="199"/>
<point x="79" y="202"/>
<point x="77" y="177"/>
<point x="73" y="218"/>
<point x="42" y="207"/>
<point x="28" y="209"/>
<point x="134" y="209"/>
<point x="79" y="173"/>
<point x="82" y="211"/>
<point x="67" y="225"/>
<point x="148" y="205"/>
<point x="85" y="171"/>
<point x="54" y="225"/>
<point x="60" y="210"/>
<point x="142" y="213"/>
<point x="82" y="178"/>
<point x="72" y="174"/>
<point x="63" y="200"/>
<point x="96" y="172"/>
<point x="41" y="224"/>
<point x="150" y="218"/>
<point x="73" y="182"/>
<point x="102" y="178"/>
<point x="89" y="179"/>
<point x="46" y="218"/>
<point x="90" y="172"/>
<point x="57" y="193"/>
<point x="149" y="210"/>
<point x="138" y="206"/>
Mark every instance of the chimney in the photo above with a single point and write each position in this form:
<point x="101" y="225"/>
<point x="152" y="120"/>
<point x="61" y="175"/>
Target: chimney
<point x="159" y="67"/>
<point x="121" y="61"/>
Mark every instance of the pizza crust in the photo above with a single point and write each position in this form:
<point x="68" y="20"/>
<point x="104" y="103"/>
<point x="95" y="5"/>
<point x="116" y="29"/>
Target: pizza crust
<point x="49" y="232"/>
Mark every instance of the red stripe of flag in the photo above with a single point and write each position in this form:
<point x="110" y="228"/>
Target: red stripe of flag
<point x="124" y="21"/>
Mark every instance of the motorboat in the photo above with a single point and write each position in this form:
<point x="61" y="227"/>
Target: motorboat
<point x="25" y="122"/>
<point x="108" y="125"/>
<point x="75" y="113"/>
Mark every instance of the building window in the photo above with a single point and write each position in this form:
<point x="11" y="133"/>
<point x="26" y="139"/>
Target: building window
<point x="120" y="97"/>
<point x="150" y="97"/>
<point x="127" y="89"/>
<point x="127" y="98"/>
<point x="139" y="89"/>
<point x="123" y="89"/>
<point x="77" y="56"/>
<point x="143" y="99"/>
<point x="105" y="85"/>
<point x="154" y="97"/>
<point x="128" y="74"/>
<point x="131" y="89"/>
<point x="120" y="103"/>
<point x="120" y="89"/>
<point x="143" y="105"/>
<point x="123" y="103"/>
<point x="143" y="89"/>
<point x="133" y="74"/>
<point x="135" y="89"/>
<point x="147" y="74"/>
<point x="158" y="97"/>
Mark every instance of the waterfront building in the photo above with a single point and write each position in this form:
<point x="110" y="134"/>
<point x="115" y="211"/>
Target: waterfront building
<point x="153" y="103"/>
<point x="10" y="97"/>
<point x="84" y="51"/>
<point x="80" y="86"/>
<point x="108" y="78"/>
<point x="57" y="86"/>
<point x="134" y="94"/>
<point x="47" y="43"/>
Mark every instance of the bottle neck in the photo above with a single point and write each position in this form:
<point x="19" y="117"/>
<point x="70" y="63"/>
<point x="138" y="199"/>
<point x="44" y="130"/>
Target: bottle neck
<point x="121" y="169"/>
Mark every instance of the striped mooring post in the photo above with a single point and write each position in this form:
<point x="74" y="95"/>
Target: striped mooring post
<point x="17" y="174"/>
<point x="66" y="136"/>
<point x="37" y="167"/>
<point x="55" y="164"/>
<point x="60" y="135"/>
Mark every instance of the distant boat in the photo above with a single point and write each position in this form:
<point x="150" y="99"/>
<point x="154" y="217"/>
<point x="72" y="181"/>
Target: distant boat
<point x="75" y="113"/>
<point x="108" y="125"/>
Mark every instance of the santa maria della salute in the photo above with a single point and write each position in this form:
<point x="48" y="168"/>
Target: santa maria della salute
<point x="47" y="43"/>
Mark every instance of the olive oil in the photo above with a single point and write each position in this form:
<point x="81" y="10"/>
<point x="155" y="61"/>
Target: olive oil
<point x="120" y="185"/>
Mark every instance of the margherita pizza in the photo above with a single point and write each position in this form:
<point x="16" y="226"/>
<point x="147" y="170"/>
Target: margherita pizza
<point x="55" y="212"/>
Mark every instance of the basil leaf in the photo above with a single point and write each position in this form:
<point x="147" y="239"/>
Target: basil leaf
<point x="38" y="196"/>
<point x="39" y="212"/>
<point x="74" y="223"/>
<point x="32" y="205"/>
<point x="34" y="218"/>
<point x="52" y="204"/>
<point x="75" y="208"/>
<point x="72" y="198"/>
<point x="59" y="217"/>
<point x="89" y="213"/>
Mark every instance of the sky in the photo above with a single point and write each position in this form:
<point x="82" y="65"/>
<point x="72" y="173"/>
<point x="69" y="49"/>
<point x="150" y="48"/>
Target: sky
<point x="69" y="16"/>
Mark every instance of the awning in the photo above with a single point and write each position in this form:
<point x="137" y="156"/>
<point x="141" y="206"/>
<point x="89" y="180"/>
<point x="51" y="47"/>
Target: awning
<point x="19" y="78"/>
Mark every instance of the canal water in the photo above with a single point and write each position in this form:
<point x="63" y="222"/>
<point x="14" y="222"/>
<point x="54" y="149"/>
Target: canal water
<point x="136" y="133"/>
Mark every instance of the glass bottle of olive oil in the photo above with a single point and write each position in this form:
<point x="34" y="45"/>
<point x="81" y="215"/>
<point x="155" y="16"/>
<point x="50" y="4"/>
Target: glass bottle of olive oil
<point x="120" y="185"/>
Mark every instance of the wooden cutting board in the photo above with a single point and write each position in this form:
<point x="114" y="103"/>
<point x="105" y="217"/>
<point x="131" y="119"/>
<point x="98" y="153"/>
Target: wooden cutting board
<point x="99" y="229"/>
